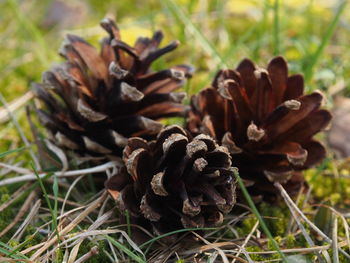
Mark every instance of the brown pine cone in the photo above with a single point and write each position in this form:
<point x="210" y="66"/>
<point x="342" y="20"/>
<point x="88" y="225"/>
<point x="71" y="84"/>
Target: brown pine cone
<point x="174" y="182"/>
<point x="266" y="122"/>
<point x="95" y="101"/>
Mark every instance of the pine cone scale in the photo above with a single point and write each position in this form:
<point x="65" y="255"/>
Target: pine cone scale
<point x="295" y="87"/>
<point x="246" y="69"/>
<point x="307" y="127"/>
<point x="308" y="104"/>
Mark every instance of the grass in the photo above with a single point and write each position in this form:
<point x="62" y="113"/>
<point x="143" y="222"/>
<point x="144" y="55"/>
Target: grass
<point x="75" y="220"/>
<point x="53" y="210"/>
<point x="258" y="216"/>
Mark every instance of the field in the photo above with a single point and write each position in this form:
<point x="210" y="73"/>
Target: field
<point x="57" y="211"/>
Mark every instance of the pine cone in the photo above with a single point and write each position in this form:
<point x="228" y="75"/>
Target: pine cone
<point x="94" y="102"/>
<point x="175" y="181"/>
<point x="265" y="121"/>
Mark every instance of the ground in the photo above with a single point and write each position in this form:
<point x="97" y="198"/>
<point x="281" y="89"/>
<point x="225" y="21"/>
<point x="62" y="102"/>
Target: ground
<point x="79" y="221"/>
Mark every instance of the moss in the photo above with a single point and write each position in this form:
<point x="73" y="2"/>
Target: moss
<point x="341" y="257"/>
<point x="290" y="241"/>
<point x="276" y="218"/>
<point x="326" y="186"/>
<point x="246" y="226"/>
<point x="98" y="258"/>
<point x="13" y="243"/>
<point x="7" y="215"/>
<point x="257" y="257"/>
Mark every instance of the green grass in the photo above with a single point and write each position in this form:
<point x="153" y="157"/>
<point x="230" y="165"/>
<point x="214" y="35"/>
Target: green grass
<point x="312" y="35"/>
<point x="53" y="210"/>
<point x="258" y="216"/>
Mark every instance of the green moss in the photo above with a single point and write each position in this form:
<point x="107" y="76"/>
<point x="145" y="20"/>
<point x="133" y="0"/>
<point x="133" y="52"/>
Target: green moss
<point x="326" y="186"/>
<point x="276" y="218"/>
<point x="246" y="226"/>
<point x="257" y="257"/>
<point x="98" y="258"/>
<point x="290" y="241"/>
<point x="7" y="215"/>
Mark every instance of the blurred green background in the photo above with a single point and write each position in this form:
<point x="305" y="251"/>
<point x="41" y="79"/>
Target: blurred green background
<point x="314" y="37"/>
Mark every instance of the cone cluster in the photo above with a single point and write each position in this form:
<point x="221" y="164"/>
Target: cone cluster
<point x="108" y="104"/>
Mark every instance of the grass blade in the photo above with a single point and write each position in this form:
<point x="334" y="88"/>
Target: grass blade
<point x="202" y="40"/>
<point x="131" y="254"/>
<point x="32" y="30"/>
<point x="52" y="210"/>
<point x="276" y="28"/>
<point x="10" y="252"/>
<point x="172" y="233"/>
<point x="257" y="214"/>
<point x="327" y="36"/>
<point x="2" y="155"/>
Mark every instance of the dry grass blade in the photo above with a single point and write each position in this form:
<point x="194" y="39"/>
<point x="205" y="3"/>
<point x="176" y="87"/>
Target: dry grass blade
<point x="298" y="250"/>
<point x="15" y="168"/>
<point x="14" y="105"/>
<point x="6" y="171"/>
<point x="103" y="232"/>
<point x="304" y="232"/>
<point x="32" y="177"/>
<point x="59" y="199"/>
<point x="302" y="215"/>
<point x="70" y="226"/>
<point x="93" y="251"/>
<point x="74" y="252"/>
<point x="59" y="153"/>
<point x="20" y="131"/>
<point x="20" y="213"/>
<point x="306" y="235"/>
<point x="33" y="212"/>
<point x="14" y="196"/>
<point x="345" y="223"/>
<point x="101" y="220"/>
<point x="215" y="246"/>
<point x="71" y="187"/>
<point x="335" y="240"/>
<point x="10" y="260"/>
<point x="246" y="242"/>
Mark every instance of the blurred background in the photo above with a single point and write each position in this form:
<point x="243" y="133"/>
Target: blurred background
<point x="314" y="37"/>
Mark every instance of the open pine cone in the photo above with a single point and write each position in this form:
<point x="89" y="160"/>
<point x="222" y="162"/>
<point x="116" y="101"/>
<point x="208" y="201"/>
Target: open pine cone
<point x="95" y="102"/>
<point x="265" y="121"/>
<point x="174" y="182"/>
